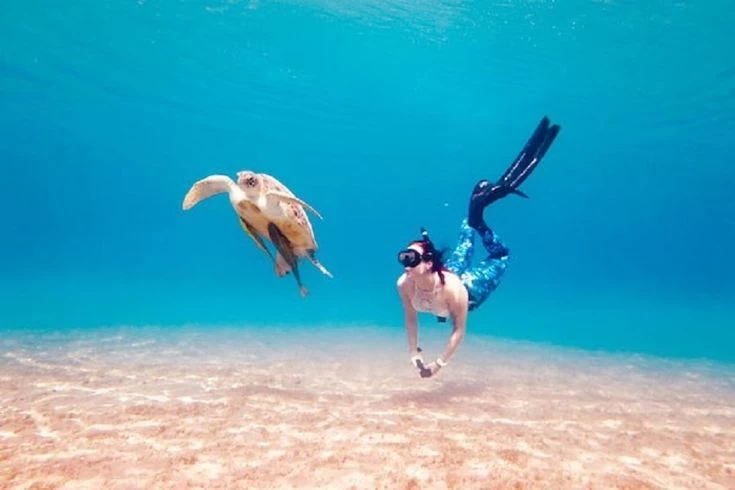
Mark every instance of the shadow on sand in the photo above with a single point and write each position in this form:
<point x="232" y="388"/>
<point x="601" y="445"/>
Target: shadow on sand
<point x="443" y="394"/>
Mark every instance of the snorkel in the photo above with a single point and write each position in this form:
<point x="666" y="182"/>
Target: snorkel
<point x="431" y="253"/>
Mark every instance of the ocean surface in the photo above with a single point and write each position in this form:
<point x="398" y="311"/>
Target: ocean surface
<point x="382" y="115"/>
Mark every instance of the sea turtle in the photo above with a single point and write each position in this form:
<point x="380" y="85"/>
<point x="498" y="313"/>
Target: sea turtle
<point x="266" y="208"/>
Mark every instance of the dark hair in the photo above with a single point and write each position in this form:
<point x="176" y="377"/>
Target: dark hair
<point x="432" y="253"/>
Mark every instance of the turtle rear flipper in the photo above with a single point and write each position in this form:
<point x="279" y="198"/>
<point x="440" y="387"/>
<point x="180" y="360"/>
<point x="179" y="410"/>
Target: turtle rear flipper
<point x="311" y="255"/>
<point x="286" y="252"/>
<point x="253" y="233"/>
<point x="282" y="267"/>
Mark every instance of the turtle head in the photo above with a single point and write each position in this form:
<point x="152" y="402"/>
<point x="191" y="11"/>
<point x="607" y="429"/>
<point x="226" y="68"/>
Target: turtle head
<point x="250" y="182"/>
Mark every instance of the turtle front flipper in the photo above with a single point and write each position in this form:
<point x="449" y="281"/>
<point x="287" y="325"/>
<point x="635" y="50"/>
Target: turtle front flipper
<point x="284" y="248"/>
<point x="283" y="197"/>
<point x="208" y="187"/>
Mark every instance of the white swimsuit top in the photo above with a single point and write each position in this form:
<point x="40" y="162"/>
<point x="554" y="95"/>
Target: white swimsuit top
<point x="426" y="301"/>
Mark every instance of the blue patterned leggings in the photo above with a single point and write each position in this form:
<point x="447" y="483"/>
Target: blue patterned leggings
<point x="484" y="278"/>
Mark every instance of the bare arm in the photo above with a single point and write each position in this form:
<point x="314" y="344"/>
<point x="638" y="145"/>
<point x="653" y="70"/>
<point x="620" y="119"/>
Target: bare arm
<point x="409" y="317"/>
<point x="459" y="302"/>
<point x="459" y="327"/>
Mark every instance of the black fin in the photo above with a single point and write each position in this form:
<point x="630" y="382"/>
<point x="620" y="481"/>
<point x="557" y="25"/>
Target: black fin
<point x="550" y="137"/>
<point x="529" y="149"/>
<point x="485" y="193"/>
<point x="524" y="170"/>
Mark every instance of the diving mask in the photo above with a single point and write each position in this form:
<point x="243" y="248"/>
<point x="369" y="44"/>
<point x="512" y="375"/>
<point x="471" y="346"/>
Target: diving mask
<point x="410" y="257"/>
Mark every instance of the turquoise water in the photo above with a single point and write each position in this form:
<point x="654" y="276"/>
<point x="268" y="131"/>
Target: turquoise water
<point x="382" y="115"/>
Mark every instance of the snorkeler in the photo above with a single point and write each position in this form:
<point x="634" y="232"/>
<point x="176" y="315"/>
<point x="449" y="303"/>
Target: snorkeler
<point x="452" y="288"/>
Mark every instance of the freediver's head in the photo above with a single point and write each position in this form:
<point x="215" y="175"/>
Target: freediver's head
<point x="421" y="257"/>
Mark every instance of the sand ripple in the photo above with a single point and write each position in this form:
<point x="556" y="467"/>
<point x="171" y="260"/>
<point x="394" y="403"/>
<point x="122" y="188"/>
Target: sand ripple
<point x="157" y="410"/>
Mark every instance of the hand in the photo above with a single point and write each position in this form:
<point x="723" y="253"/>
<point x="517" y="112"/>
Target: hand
<point x="417" y="360"/>
<point x="429" y="370"/>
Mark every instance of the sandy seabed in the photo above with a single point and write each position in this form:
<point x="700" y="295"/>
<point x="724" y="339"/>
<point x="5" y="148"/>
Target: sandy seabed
<point x="343" y="408"/>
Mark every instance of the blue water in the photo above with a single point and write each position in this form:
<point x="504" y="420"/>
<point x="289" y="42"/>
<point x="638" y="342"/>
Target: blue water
<point x="382" y="115"/>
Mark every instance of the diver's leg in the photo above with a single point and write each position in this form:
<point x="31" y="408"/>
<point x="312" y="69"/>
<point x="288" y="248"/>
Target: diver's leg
<point x="493" y="244"/>
<point x="461" y="257"/>
<point x="483" y="279"/>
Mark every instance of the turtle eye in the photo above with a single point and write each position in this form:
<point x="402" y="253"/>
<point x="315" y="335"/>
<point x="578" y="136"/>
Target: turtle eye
<point x="250" y="182"/>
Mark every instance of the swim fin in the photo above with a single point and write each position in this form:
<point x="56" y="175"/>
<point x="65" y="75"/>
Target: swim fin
<point x="530" y="156"/>
<point x="485" y="192"/>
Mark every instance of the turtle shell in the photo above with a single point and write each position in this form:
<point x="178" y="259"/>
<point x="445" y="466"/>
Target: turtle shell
<point x="290" y="217"/>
